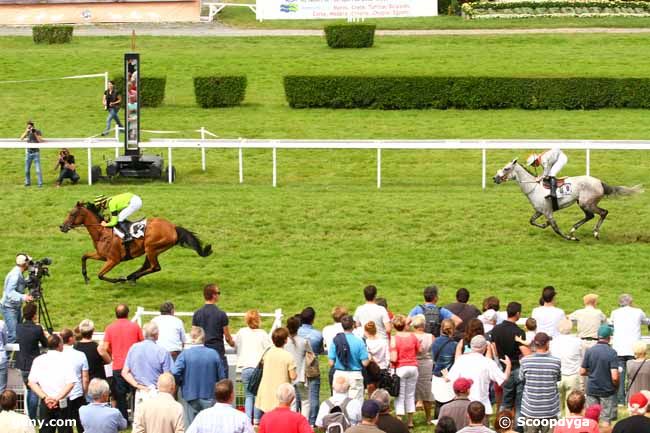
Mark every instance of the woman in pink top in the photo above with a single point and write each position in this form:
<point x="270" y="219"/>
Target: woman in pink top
<point x="404" y="347"/>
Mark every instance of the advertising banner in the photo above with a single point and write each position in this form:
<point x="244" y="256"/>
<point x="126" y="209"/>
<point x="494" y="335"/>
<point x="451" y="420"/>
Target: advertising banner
<point x="343" y="9"/>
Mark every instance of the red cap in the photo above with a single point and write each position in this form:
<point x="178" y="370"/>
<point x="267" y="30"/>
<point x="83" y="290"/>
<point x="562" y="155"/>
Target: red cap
<point x="638" y="401"/>
<point x="462" y="385"/>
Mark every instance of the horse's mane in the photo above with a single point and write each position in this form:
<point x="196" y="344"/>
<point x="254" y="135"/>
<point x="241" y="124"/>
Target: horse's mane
<point x="94" y="209"/>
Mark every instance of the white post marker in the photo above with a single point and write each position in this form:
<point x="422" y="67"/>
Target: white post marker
<point x="90" y="165"/>
<point x="169" y="165"/>
<point x="106" y="80"/>
<point x="241" y="166"/>
<point x="588" y="160"/>
<point x="275" y="168"/>
<point x="202" y="148"/>
<point x="117" y="138"/>
<point x="378" y="167"/>
<point x="484" y="155"/>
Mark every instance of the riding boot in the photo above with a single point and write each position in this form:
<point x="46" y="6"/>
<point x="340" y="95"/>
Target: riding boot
<point x="125" y="229"/>
<point x="553" y="195"/>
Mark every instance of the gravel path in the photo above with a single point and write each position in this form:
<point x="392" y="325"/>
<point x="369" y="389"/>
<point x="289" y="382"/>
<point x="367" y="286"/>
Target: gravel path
<point x="220" y="30"/>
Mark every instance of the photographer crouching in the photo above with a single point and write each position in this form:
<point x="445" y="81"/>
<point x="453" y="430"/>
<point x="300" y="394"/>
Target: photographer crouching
<point x="67" y="168"/>
<point x="14" y="295"/>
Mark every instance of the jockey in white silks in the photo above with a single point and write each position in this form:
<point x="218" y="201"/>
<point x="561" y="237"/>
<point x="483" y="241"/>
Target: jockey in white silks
<point x="551" y="161"/>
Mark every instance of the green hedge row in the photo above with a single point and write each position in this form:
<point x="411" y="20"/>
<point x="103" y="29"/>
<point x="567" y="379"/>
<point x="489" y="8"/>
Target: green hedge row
<point x="219" y="91"/>
<point x="50" y="34"/>
<point x="152" y="90"/>
<point x="520" y="9"/>
<point x="350" y="35"/>
<point x="398" y="93"/>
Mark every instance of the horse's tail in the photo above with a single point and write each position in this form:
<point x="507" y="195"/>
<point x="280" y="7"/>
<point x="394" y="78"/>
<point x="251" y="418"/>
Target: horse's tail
<point x="622" y="191"/>
<point x="188" y="239"/>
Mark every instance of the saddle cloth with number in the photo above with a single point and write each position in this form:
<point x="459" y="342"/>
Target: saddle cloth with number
<point x="136" y="229"/>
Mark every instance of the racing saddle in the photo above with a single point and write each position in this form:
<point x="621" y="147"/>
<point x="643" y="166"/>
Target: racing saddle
<point x="560" y="181"/>
<point x="129" y="230"/>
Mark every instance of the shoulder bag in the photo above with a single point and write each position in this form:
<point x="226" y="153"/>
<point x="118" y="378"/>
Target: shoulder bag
<point x="256" y="377"/>
<point x="312" y="368"/>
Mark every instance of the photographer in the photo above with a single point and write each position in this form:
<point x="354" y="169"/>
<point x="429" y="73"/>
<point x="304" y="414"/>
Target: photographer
<point x="67" y="168"/>
<point x="33" y="154"/>
<point x="14" y="294"/>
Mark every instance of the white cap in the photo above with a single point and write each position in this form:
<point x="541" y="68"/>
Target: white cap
<point x="22" y="259"/>
<point x="531" y="158"/>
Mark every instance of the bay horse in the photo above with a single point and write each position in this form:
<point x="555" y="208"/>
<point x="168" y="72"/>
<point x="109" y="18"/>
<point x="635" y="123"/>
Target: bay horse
<point x="160" y="235"/>
<point x="587" y="191"/>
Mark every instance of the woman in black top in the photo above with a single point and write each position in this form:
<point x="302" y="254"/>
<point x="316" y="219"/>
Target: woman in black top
<point x="28" y="336"/>
<point x="96" y="361"/>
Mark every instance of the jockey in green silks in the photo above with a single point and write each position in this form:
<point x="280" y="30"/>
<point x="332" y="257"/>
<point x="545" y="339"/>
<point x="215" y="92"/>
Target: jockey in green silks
<point x="120" y="207"/>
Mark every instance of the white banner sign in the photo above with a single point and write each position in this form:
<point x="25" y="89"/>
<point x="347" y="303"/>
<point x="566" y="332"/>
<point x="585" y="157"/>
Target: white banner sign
<point x="344" y="9"/>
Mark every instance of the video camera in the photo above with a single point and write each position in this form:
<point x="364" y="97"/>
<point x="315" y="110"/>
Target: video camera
<point x="37" y="270"/>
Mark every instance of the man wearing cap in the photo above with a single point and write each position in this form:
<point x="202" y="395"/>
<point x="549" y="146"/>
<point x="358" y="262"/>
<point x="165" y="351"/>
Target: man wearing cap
<point x="457" y="408"/>
<point x="627" y="321"/>
<point x="551" y="161"/>
<point x="369" y="418"/>
<point x="120" y="206"/>
<point x="637" y="422"/>
<point x="14" y="294"/>
<point x="588" y="320"/>
<point x="540" y="373"/>
<point x="600" y="364"/>
<point x="481" y="370"/>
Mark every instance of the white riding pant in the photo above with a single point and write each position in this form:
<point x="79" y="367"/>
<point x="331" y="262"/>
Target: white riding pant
<point x="559" y="164"/>
<point x="408" y="379"/>
<point x="134" y="205"/>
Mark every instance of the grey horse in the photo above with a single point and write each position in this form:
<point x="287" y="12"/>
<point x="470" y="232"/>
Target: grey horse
<point x="587" y="191"/>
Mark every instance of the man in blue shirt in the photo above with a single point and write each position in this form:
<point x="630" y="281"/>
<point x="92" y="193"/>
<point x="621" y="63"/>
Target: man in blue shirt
<point x="99" y="416"/>
<point x="349" y="355"/>
<point x="14" y="294"/>
<point x="433" y="314"/>
<point x="315" y="338"/>
<point x="197" y="370"/>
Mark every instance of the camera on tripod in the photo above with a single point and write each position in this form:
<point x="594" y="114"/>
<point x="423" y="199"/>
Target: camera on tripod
<point x="37" y="270"/>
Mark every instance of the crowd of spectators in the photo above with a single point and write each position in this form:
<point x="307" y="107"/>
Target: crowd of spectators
<point x="470" y="370"/>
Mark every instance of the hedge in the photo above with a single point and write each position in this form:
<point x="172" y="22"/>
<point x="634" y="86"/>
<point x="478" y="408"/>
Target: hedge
<point x="50" y="34"/>
<point x="523" y="9"/>
<point x="350" y="35"/>
<point x="399" y="93"/>
<point x="219" y="91"/>
<point x="152" y="90"/>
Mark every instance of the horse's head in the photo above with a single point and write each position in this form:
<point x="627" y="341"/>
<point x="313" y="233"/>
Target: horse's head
<point x="506" y="172"/>
<point x="79" y="216"/>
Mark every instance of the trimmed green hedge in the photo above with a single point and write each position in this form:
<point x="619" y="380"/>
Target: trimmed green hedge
<point x="225" y="91"/>
<point x="152" y="90"/>
<point x="523" y="9"/>
<point x="350" y="35"/>
<point x="399" y="93"/>
<point x="50" y="34"/>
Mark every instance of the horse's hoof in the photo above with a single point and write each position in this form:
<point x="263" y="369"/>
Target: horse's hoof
<point x="123" y="279"/>
<point x="597" y="235"/>
<point x="572" y="231"/>
<point x="86" y="280"/>
<point x="573" y="238"/>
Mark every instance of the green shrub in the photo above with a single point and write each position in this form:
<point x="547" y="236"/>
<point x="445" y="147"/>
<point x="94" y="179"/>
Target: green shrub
<point x="555" y="8"/>
<point x="219" y="91"/>
<point x="49" y="34"/>
<point x="152" y="90"/>
<point x="350" y="35"/>
<point x="399" y="93"/>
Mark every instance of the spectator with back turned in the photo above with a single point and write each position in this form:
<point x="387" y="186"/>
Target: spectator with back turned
<point x="99" y="416"/>
<point x="94" y="354"/>
<point x="386" y="422"/>
<point x="348" y="355"/>
<point x="315" y="337"/>
<point x="14" y="294"/>
<point x="222" y="417"/>
<point x="462" y="309"/>
<point x="11" y="420"/>
<point x="282" y="419"/>
<point x="279" y="368"/>
<point x="31" y="338"/>
<point x="160" y="413"/>
<point x="171" y="331"/>
<point x="79" y="363"/>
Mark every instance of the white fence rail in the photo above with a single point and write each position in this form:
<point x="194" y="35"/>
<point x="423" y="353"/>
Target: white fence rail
<point x="377" y="145"/>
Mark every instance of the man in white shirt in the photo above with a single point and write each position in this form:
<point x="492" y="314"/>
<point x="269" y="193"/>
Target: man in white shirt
<point x="79" y="363"/>
<point x="330" y="331"/>
<point x="52" y="379"/>
<point x="588" y="320"/>
<point x="10" y="420"/>
<point x="568" y="348"/>
<point x="171" y="330"/>
<point x="627" y="321"/>
<point x="548" y="316"/>
<point x="480" y="370"/>
<point x="351" y="408"/>
<point x="371" y="312"/>
<point x="222" y="417"/>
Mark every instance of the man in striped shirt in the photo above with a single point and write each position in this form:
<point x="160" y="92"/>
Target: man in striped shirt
<point x="540" y="373"/>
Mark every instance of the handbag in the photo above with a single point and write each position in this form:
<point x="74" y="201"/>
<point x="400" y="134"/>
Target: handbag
<point x="256" y="377"/>
<point x="390" y="382"/>
<point x="312" y="367"/>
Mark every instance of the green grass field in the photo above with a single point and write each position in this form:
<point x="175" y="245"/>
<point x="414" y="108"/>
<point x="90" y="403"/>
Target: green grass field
<point x="244" y="18"/>
<point x="326" y="231"/>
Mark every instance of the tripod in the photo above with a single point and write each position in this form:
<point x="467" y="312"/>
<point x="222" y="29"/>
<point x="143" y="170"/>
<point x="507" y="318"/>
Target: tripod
<point x="43" y="314"/>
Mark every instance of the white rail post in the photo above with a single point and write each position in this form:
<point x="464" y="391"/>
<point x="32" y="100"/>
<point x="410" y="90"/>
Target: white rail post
<point x="106" y="80"/>
<point x="588" y="160"/>
<point x="170" y="167"/>
<point x="90" y="165"/>
<point x="241" y="166"/>
<point x="378" y="167"/>
<point x="117" y="138"/>
<point x="484" y="155"/>
<point x="202" y="148"/>
<point x="275" y="167"/>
